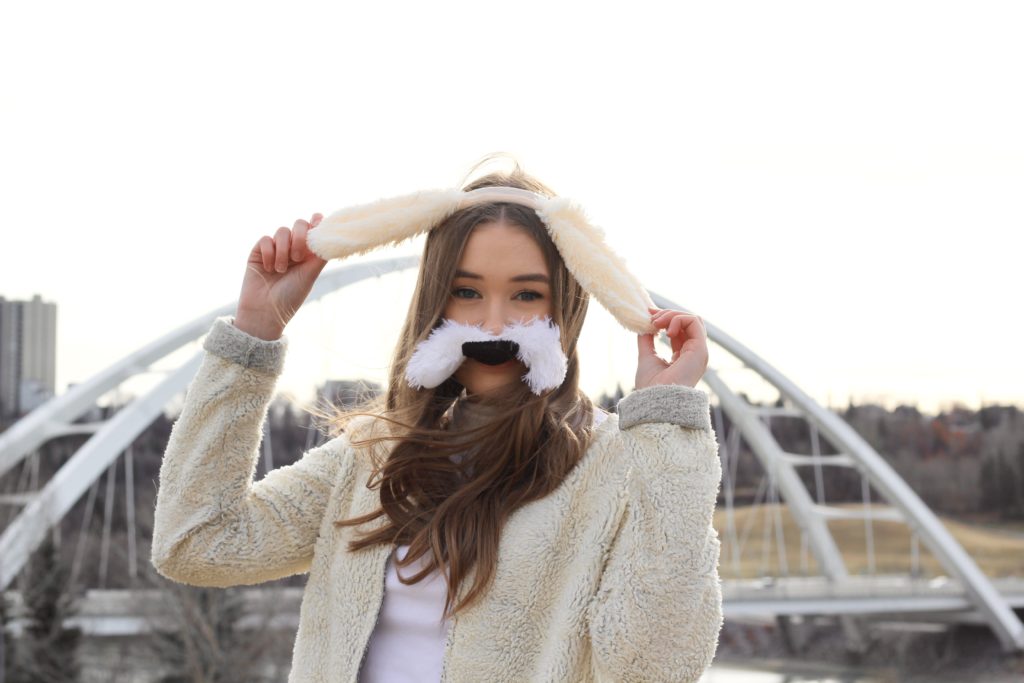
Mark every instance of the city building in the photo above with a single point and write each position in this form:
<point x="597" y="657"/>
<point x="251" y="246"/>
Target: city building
<point x="28" y="355"/>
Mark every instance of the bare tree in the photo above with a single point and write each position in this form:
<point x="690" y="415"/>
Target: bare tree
<point x="46" y="650"/>
<point x="214" y="635"/>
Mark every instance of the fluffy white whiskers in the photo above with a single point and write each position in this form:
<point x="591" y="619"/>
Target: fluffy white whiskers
<point x="540" y="349"/>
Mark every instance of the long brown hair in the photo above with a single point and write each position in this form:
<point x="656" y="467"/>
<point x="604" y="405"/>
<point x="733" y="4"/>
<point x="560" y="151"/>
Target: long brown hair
<point x="453" y="512"/>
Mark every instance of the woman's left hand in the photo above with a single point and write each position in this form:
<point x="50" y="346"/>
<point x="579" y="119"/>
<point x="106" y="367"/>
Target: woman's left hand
<point x="689" y="350"/>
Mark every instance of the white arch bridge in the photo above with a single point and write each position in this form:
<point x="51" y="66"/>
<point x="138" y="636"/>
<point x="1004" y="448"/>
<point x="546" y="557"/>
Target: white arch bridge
<point x="823" y="584"/>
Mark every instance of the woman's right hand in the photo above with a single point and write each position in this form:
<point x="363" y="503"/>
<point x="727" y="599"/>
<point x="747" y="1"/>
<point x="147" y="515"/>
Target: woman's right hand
<point x="278" y="277"/>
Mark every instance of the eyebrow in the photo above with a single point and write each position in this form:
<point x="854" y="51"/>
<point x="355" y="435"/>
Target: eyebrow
<point x="528" y="277"/>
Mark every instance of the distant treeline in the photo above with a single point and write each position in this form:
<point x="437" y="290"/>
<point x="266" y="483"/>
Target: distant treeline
<point x="961" y="462"/>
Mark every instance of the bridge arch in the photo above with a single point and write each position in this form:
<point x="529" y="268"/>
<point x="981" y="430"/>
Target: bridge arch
<point x="46" y="506"/>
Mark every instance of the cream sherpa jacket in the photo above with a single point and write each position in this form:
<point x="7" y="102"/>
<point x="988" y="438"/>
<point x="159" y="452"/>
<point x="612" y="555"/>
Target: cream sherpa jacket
<point x="612" y="577"/>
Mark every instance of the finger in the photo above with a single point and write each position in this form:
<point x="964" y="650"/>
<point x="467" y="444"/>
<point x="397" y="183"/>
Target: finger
<point x="688" y="327"/>
<point x="695" y="327"/>
<point x="267" y="252"/>
<point x="256" y="253"/>
<point x="674" y="326"/>
<point x="663" y="320"/>
<point x="665" y="317"/>
<point x="281" y="245"/>
<point x="312" y="266"/>
<point x="671" y="313"/>
<point x="675" y="334"/>
<point x="299" y="240"/>
<point x="317" y="217"/>
<point x="645" y="344"/>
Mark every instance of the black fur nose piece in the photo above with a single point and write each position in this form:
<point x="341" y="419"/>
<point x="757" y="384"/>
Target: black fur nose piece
<point x="491" y="352"/>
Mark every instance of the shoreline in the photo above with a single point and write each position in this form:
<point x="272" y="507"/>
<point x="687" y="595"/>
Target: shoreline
<point x="961" y="653"/>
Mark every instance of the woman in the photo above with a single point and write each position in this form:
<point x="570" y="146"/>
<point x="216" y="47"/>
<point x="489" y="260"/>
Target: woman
<point x="488" y="525"/>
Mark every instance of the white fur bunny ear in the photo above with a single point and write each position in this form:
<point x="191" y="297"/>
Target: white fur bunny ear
<point x="598" y="269"/>
<point x="365" y="227"/>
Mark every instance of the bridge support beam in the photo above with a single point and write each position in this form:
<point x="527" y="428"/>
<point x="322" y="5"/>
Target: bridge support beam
<point x="1006" y="625"/>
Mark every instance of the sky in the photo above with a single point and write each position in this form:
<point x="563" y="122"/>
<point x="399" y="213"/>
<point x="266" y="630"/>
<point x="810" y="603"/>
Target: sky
<point x="835" y="185"/>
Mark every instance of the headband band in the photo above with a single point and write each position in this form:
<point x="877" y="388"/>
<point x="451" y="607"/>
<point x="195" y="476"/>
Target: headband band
<point x="598" y="269"/>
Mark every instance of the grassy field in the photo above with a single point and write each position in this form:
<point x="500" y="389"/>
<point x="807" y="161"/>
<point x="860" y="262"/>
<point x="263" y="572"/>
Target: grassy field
<point x="999" y="552"/>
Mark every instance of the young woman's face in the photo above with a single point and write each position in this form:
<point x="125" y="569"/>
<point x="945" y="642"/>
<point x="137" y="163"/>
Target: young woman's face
<point x="501" y="278"/>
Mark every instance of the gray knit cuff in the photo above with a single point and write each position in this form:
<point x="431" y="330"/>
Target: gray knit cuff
<point x="227" y="341"/>
<point x="676" y="403"/>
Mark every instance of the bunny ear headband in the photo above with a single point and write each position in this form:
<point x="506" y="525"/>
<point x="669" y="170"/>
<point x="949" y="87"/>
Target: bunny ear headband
<point x="599" y="270"/>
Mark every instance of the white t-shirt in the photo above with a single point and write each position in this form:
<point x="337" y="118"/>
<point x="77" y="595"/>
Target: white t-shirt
<point x="407" y="645"/>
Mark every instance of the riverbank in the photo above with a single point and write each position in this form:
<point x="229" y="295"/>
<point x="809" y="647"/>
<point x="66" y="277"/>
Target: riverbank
<point x="956" y="653"/>
<point x="997" y="548"/>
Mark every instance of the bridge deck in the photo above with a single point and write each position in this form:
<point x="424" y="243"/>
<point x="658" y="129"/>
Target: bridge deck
<point x="128" y="612"/>
<point x="878" y="595"/>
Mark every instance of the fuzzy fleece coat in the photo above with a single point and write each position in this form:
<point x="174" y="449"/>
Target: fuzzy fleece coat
<point x="612" y="577"/>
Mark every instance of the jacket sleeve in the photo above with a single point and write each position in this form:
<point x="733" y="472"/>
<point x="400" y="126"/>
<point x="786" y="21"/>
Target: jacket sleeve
<point x="657" y="613"/>
<point x="212" y="526"/>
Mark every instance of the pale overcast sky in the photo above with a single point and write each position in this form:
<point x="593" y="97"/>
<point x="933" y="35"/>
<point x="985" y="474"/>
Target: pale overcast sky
<point x="836" y="185"/>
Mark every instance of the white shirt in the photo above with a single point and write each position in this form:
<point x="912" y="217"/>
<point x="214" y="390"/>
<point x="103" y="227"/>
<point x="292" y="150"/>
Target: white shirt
<point x="407" y="645"/>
